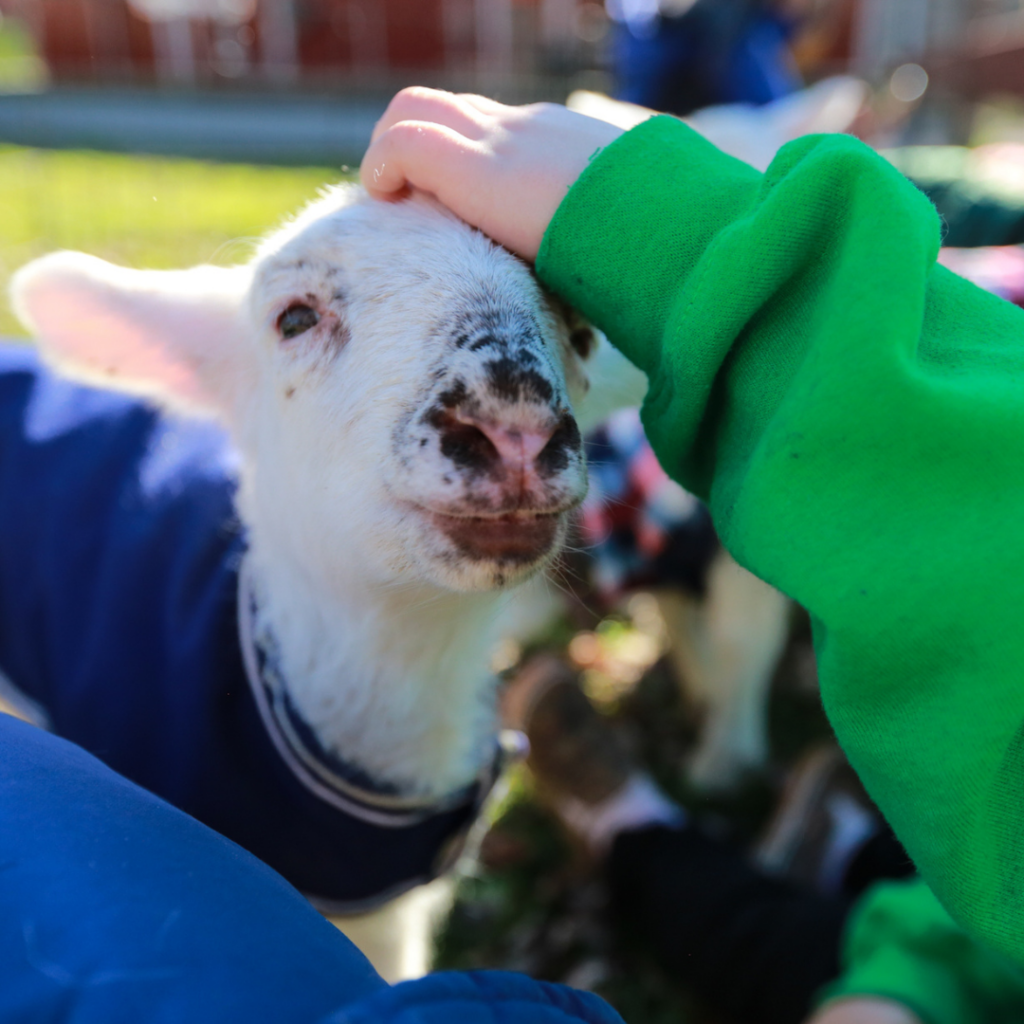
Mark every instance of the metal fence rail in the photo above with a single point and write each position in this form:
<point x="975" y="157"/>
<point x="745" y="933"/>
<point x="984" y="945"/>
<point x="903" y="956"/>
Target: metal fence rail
<point x="267" y="129"/>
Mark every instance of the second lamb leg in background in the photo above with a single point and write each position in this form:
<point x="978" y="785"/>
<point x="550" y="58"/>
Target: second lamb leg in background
<point x="724" y="648"/>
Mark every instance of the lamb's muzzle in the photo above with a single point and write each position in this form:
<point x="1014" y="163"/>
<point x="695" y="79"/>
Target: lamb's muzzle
<point x="512" y="458"/>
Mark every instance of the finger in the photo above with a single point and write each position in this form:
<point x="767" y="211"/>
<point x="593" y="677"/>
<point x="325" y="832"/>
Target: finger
<point x="484" y="104"/>
<point x="421" y="104"/>
<point x="425" y="155"/>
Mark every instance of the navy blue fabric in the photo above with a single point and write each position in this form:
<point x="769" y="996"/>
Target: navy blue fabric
<point x="478" y="997"/>
<point x="720" y="51"/>
<point x="116" y="908"/>
<point x="119" y="558"/>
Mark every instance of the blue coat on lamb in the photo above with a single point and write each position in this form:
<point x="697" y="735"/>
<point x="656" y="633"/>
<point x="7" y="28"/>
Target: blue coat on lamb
<point x="119" y="609"/>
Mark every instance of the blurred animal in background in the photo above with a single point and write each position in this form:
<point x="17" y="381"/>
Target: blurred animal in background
<point x="400" y="402"/>
<point x="750" y="133"/>
<point x="724" y="629"/>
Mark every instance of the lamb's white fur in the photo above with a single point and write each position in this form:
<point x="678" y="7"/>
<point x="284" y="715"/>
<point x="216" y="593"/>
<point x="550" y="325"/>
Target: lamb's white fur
<point x="384" y="631"/>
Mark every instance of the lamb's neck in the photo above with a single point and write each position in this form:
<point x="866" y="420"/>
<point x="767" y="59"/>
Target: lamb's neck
<point x="395" y="681"/>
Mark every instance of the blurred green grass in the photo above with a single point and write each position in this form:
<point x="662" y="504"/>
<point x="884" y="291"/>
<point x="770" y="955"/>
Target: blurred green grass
<point x="140" y="211"/>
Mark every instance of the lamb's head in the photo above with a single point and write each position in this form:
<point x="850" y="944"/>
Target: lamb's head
<point x="400" y="388"/>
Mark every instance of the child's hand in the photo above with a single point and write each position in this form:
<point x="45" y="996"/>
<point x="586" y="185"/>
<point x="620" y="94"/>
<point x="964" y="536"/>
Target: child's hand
<point x="502" y="169"/>
<point x="864" y="1010"/>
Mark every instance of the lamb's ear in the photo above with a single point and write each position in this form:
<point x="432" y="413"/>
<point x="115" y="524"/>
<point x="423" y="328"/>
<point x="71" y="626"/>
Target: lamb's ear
<point x="615" y="383"/>
<point x="172" y="335"/>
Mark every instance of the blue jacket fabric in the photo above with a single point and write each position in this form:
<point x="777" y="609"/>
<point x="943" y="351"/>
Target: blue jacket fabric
<point x="119" y="564"/>
<point x="116" y="908"/>
<point x="477" y="997"/>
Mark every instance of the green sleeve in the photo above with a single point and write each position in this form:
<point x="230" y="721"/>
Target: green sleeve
<point x="902" y="945"/>
<point x="854" y="415"/>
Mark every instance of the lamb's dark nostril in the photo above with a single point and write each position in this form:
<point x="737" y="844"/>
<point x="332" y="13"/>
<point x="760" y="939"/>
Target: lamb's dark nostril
<point x="465" y="444"/>
<point x="565" y="440"/>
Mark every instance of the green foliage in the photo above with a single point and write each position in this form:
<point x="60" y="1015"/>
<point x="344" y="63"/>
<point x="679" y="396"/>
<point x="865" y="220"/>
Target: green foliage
<point x="140" y="211"/>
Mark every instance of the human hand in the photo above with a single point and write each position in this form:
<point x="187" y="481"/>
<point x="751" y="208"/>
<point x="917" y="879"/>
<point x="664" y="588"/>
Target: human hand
<point x="502" y="169"/>
<point x="864" y="1010"/>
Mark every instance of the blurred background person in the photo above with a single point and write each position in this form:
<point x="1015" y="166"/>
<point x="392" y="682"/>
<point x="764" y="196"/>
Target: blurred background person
<point x="680" y="55"/>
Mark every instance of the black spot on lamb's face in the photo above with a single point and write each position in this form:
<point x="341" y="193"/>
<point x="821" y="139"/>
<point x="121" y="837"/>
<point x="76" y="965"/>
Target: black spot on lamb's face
<point x="514" y="379"/>
<point x="558" y="452"/>
<point x="455" y="395"/>
<point x="464" y="445"/>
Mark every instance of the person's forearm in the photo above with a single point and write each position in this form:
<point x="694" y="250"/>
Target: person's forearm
<point x="855" y="416"/>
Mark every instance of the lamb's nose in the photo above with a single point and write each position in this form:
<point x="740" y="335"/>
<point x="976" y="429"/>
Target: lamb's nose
<point x="517" y="446"/>
<point x="490" y="444"/>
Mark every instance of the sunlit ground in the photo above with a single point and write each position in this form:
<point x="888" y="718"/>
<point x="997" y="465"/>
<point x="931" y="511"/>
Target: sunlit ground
<point x="140" y="211"/>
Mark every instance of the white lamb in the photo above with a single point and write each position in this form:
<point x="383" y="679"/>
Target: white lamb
<point x="401" y="394"/>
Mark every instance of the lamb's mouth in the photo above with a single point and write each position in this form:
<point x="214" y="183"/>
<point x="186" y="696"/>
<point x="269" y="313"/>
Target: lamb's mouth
<point x="516" y="538"/>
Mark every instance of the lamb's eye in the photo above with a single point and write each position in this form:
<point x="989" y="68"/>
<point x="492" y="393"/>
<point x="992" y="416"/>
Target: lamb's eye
<point x="297" y="319"/>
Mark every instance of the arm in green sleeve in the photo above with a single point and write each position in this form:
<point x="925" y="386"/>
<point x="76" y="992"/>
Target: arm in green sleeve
<point x="900" y="944"/>
<point x="854" y="415"/>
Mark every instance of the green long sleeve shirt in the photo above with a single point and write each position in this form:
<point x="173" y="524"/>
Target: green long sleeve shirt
<point x="901" y="944"/>
<point x="854" y="415"/>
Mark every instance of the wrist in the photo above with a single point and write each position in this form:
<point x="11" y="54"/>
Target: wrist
<point x="864" y="1010"/>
